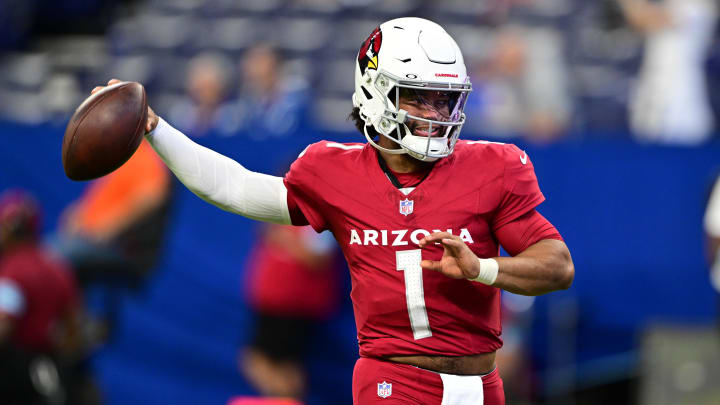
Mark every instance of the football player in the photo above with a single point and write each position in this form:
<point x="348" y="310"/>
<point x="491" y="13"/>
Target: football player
<point x="40" y="311"/>
<point x="419" y="215"/>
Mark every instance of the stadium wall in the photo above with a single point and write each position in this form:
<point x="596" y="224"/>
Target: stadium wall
<point x="631" y="215"/>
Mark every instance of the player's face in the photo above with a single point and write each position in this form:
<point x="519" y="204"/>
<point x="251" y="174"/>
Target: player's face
<point x="432" y="105"/>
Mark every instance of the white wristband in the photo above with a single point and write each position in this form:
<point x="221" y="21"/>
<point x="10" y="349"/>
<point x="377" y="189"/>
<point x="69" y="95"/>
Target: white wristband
<point x="488" y="271"/>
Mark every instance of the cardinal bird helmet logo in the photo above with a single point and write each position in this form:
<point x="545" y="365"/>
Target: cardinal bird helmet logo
<point x="368" y="55"/>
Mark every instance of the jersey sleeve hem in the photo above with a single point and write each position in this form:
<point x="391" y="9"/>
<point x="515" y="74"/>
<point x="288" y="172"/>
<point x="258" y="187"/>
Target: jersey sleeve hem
<point x="532" y="204"/>
<point x="302" y="210"/>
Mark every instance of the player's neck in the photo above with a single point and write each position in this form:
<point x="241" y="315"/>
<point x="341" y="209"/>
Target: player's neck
<point x="404" y="163"/>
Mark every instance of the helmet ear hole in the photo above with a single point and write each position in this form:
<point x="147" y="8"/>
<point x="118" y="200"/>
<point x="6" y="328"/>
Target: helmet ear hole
<point x="393" y="96"/>
<point x="367" y="93"/>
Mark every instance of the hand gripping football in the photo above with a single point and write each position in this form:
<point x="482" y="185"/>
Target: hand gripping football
<point x="104" y="131"/>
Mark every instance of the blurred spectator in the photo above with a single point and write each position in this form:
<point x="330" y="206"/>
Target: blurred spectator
<point x="270" y="104"/>
<point x="513" y="359"/>
<point x="40" y="310"/>
<point x="118" y="222"/>
<point x="15" y="22"/>
<point x="61" y="94"/>
<point x="113" y="233"/>
<point x="522" y="88"/>
<point x="670" y="101"/>
<point x="208" y="78"/>
<point x="293" y="285"/>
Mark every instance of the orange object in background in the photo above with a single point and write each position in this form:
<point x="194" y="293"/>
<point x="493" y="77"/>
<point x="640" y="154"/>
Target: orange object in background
<point x="109" y="202"/>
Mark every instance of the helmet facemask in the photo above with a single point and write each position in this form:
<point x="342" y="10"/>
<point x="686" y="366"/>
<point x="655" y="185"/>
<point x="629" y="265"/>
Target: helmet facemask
<point x="426" y="139"/>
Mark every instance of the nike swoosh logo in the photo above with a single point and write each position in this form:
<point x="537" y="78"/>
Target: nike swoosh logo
<point x="523" y="159"/>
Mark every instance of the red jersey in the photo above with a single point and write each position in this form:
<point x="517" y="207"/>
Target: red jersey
<point x="399" y="308"/>
<point x="282" y="285"/>
<point x="49" y="291"/>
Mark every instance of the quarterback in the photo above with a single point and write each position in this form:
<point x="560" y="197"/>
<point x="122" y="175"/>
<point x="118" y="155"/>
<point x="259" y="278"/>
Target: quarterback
<point x="420" y="217"/>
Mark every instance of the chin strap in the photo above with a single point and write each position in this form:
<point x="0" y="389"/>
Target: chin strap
<point x="417" y="155"/>
<point x="378" y="147"/>
<point x="413" y="143"/>
<point x="404" y="147"/>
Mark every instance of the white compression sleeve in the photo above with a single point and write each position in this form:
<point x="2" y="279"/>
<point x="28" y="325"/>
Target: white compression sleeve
<point x="220" y="180"/>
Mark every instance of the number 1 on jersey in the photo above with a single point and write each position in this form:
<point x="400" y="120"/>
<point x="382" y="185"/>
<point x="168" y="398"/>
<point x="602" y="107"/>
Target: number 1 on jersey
<point x="408" y="261"/>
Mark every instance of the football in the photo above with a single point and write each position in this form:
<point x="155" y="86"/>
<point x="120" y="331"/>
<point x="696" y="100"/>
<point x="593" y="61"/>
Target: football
<point x="104" y="131"/>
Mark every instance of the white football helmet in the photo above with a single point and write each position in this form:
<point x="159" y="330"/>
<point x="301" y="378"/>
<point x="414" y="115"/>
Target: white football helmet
<point x="417" y="57"/>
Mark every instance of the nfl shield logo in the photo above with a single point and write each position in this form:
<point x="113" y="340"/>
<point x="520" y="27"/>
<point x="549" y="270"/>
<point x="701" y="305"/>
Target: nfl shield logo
<point x="384" y="389"/>
<point x="406" y="207"/>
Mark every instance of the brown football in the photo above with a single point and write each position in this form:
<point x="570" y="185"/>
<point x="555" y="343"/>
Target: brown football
<point x="104" y="131"/>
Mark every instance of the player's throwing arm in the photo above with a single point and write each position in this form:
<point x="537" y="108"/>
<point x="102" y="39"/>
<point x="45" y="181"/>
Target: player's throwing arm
<point x="215" y="178"/>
